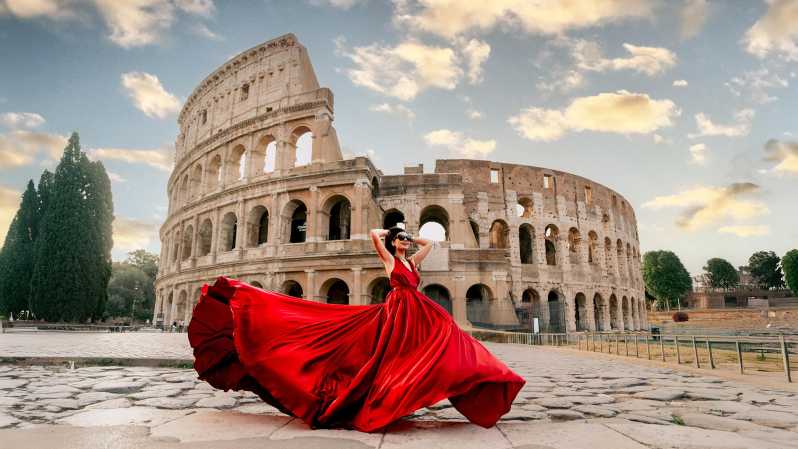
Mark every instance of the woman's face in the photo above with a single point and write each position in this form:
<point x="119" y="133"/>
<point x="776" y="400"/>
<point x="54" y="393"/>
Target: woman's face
<point x="402" y="241"/>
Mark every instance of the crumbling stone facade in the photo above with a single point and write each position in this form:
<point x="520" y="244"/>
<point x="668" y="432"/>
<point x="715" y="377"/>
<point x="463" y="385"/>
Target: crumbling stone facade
<point x="521" y="242"/>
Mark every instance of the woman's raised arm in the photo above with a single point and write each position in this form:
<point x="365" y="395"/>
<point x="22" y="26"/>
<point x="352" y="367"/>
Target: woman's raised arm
<point x="426" y="246"/>
<point x="376" y="240"/>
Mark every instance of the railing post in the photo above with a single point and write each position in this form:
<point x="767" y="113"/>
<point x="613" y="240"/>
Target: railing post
<point x="678" y="354"/>
<point x="617" y="346"/>
<point x="601" y="343"/>
<point x="695" y="354"/>
<point x="662" y="346"/>
<point x="626" y="344"/>
<point x="785" y="356"/>
<point x="739" y="354"/>
<point x="637" y="347"/>
<point x="709" y="350"/>
<point x="648" y="346"/>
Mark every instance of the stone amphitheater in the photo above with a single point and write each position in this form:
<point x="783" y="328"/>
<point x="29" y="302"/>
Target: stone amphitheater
<point x="261" y="192"/>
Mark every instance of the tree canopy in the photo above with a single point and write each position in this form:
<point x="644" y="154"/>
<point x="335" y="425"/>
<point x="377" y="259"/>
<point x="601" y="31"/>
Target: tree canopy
<point x="721" y="274"/>
<point x="765" y="270"/>
<point x="17" y="255"/>
<point x="131" y="290"/>
<point x="665" y="277"/>
<point x="789" y="263"/>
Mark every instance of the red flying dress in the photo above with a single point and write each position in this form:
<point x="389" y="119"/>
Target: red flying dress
<point x="359" y="367"/>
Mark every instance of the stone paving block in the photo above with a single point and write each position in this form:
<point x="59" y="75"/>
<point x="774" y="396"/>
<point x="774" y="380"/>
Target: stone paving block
<point x="571" y="435"/>
<point x="592" y="410"/>
<point x="682" y="437"/>
<point x="114" y="386"/>
<point x="92" y="397"/>
<point x="218" y="401"/>
<point x="564" y="415"/>
<point x="123" y="417"/>
<point x="298" y="429"/>
<point x="9" y="384"/>
<point x="219" y="426"/>
<point x="168" y="403"/>
<point x="660" y="394"/>
<point x="554" y="402"/>
<point x="258" y="409"/>
<point x="636" y="404"/>
<point x="7" y="420"/>
<point x="714" y="422"/>
<point x="149" y="394"/>
<point x="781" y="420"/>
<point x="111" y="404"/>
<point x="427" y="434"/>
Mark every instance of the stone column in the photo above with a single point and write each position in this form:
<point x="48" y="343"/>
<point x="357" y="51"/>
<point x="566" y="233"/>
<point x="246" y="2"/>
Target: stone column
<point x="225" y="156"/>
<point x="590" y="311"/>
<point x="311" y="293"/>
<point x="215" y="234"/>
<point x="356" y="294"/>
<point x="195" y="241"/>
<point x="241" y="229"/>
<point x="158" y="306"/>
<point x="172" y="309"/>
<point x="458" y="300"/>
<point x="358" y="225"/>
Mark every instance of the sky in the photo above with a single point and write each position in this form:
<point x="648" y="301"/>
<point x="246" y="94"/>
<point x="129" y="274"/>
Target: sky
<point x="688" y="108"/>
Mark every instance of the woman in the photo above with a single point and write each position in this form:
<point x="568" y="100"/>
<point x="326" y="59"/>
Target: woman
<point x="359" y="367"/>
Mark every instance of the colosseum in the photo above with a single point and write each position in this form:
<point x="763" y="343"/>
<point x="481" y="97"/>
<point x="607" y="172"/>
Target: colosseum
<point x="261" y="192"/>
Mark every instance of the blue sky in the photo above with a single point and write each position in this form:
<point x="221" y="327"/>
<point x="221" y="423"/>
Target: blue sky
<point x="685" y="107"/>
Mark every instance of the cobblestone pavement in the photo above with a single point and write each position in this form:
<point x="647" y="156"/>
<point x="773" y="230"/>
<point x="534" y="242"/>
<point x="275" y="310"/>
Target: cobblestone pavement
<point x="570" y="401"/>
<point x="95" y="344"/>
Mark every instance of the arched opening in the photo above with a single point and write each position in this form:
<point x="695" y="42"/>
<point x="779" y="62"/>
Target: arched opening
<point x="213" y="178"/>
<point x="580" y="312"/>
<point x="256" y="284"/>
<point x="264" y="155"/>
<point x="176" y="248"/>
<point x="296" y="216"/>
<point x="195" y="183"/>
<point x="205" y="237"/>
<point x="440" y="295"/>
<point x="629" y="259"/>
<point x="530" y="308"/>
<point x="477" y="303"/>
<point x="614" y="323"/>
<point x="338" y="213"/>
<point x="378" y="290"/>
<point x="434" y="223"/>
<point x="166" y="310"/>
<point x="236" y="164"/>
<point x="375" y="187"/>
<point x="229" y="231"/>
<point x="556" y="313"/>
<point x="598" y="312"/>
<point x="474" y="231"/>
<point x="303" y="144"/>
<point x="574" y="246"/>
<point x="184" y="195"/>
<point x="258" y="226"/>
<point x="180" y="308"/>
<point x="335" y="291"/>
<point x="608" y="255"/>
<point x="633" y="313"/>
<point x="499" y="234"/>
<point x="188" y="237"/>
<point x="292" y="288"/>
<point x="620" y="257"/>
<point x="392" y="218"/>
<point x="524" y="208"/>
<point x="526" y="239"/>
<point x="625" y="313"/>
<point x="592" y="245"/>
<point x="552" y="235"/>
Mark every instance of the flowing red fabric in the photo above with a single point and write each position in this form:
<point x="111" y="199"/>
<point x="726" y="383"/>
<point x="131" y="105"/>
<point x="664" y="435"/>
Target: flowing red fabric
<point x="359" y="367"/>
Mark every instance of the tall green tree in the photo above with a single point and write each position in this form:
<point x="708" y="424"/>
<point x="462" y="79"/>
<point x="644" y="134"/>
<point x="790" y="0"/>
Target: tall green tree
<point x="18" y="255"/>
<point x="73" y="252"/>
<point x="789" y="263"/>
<point x="666" y="278"/>
<point x="765" y="269"/>
<point x="721" y="274"/>
<point x="127" y="292"/>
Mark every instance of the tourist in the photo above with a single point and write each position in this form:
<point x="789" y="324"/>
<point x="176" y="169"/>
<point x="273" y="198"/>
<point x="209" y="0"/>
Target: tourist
<point x="360" y="367"/>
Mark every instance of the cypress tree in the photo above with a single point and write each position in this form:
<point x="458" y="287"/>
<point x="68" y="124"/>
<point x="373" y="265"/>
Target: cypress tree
<point x="17" y="255"/>
<point x="73" y="254"/>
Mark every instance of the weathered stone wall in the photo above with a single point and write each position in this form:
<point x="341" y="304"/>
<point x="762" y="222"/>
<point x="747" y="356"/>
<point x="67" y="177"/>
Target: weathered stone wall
<point x="546" y="243"/>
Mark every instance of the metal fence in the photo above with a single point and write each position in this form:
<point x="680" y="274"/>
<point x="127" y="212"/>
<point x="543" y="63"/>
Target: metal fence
<point x="663" y="347"/>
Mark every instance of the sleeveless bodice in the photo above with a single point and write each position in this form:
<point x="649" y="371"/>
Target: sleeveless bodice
<point x="401" y="276"/>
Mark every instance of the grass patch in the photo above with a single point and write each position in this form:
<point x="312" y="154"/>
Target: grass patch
<point x="677" y="420"/>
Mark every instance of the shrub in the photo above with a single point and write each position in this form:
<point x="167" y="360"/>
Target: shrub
<point x="679" y="317"/>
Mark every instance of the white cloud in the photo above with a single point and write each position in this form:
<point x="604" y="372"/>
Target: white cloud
<point x="202" y="30"/>
<point x="476" y="52"/>
<point x="562" y="82"/>
<point x="458" y="144"/>
<point x="450" y="18"/>
<point x="204" y="8"/>
<point x="474" y="114"/>
<point x="698" y="154"/>
<point x="648" y="60"/>
<point x="116" y="177"/>
<point x="784" y="155"/>
<point x="394" y="109"/>
<point x="757" y="83"/>
<point x="402" y="71"/>
<point x="745" y="230"/>
<point x="694" y="15"/>
<point x="658" y="139"/>
<point x="703" y="206"/>
<point x="9" y="203"/>
<point x="160" y="159"/>
<point x="148" y="95"/>
<point x="680" y="83"/>
<point x="741" y="126"/>
<point x="20" y="147"/>
<point x="33" y="9"/>
<point x="619" y="112"/>
<point x="21" y="119"/>
<point x="775" y="33"/>
<point x="131" y="234"/>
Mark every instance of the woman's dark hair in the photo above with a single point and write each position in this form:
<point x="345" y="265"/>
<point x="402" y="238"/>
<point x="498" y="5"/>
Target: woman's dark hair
<point x="392" y="233"/>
